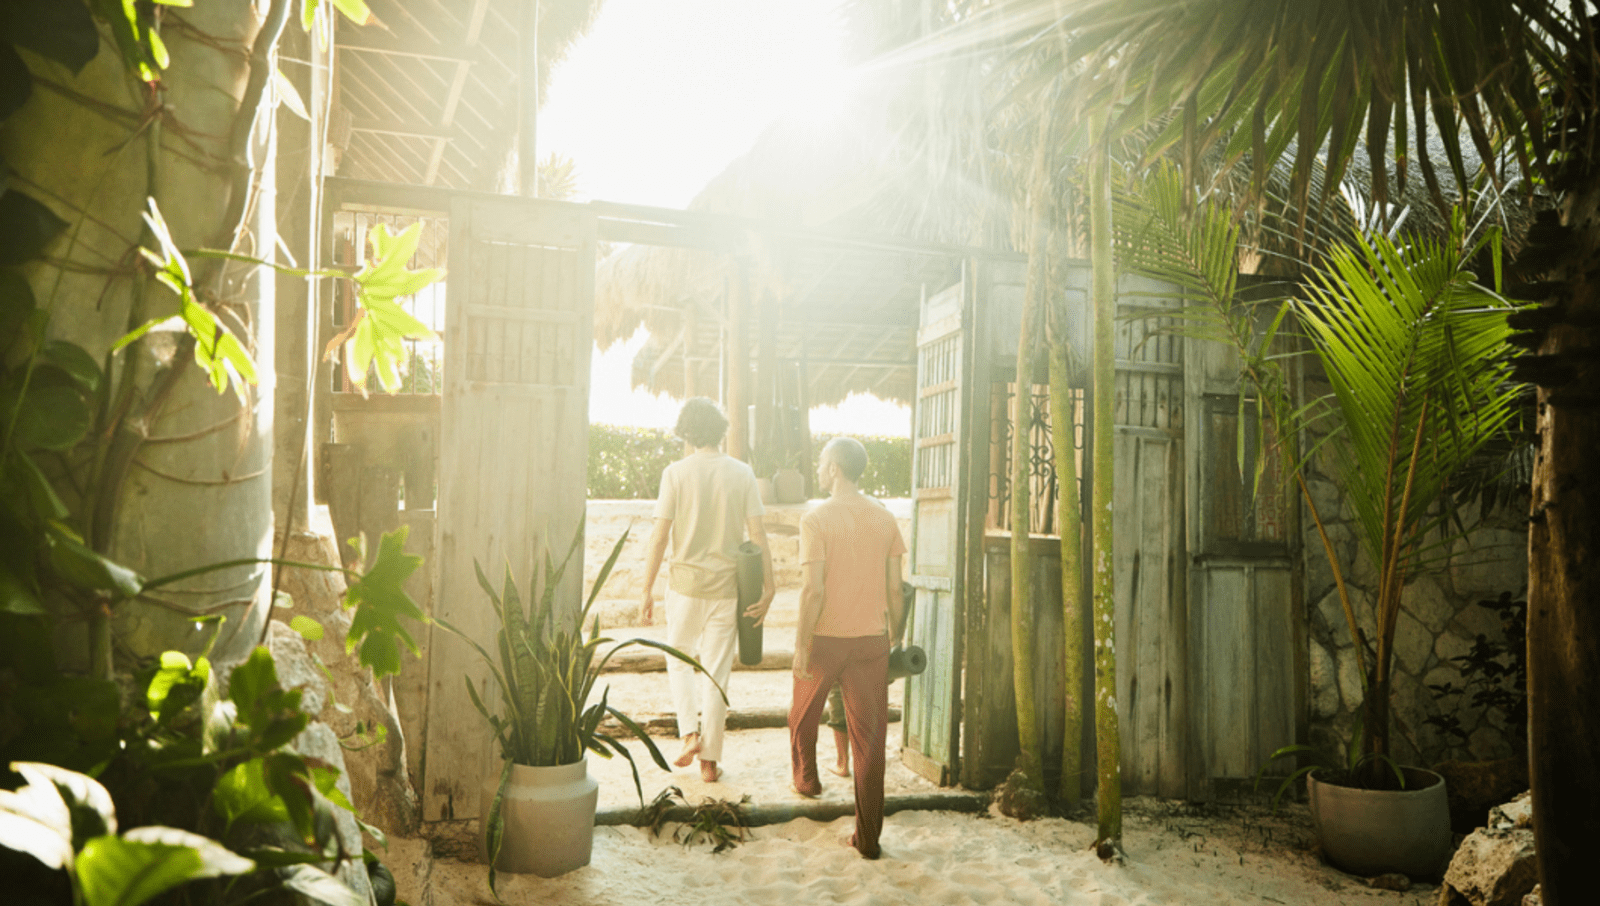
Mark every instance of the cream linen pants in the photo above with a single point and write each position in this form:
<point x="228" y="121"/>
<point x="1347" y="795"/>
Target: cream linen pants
<point x="706" y="630"/>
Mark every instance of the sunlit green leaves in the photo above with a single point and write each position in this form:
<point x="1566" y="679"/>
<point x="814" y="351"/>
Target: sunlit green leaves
<point x="381" y="602"/>
<point x="217" y="350"/>
<point x="376" y="336"/>
<point x="271" y="714"/>
<point x="288" y="95"/>
<point x="148" y="861"/>
<point x="136" y="40"/>
<point x="176" y="685"/>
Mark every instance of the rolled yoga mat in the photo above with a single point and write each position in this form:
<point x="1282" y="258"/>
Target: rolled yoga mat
<point x="905" y="662"/>
<point x="751" y="582"/>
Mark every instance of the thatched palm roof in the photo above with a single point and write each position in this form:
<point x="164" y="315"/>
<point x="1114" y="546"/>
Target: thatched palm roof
<point x="788" y="215"/>
<point x="434" y="97"/>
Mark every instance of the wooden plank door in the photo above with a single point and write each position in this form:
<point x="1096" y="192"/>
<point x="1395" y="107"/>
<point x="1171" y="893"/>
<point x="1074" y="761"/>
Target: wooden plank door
<point x="938" y="535"/>
<point x="1148" y="544"/>
<point x="513" y="451"/>
<point x="1247" y="642"/>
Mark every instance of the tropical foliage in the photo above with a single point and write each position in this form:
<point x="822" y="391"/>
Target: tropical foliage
<point x="202" y="767"/>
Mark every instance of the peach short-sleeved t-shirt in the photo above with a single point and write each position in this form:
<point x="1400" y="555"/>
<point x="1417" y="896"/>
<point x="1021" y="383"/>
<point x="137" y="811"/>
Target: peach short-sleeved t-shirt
<point x="853" y="537"/>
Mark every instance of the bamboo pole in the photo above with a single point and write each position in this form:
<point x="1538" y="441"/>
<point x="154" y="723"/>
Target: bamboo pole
<point x="1108" y="743"/>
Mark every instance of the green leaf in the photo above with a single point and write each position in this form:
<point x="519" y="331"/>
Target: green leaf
<point x="252" y="680"/>
<point x="18" y="596"/>
<point x="85" y="568"/>
<point x="50" y="417"/>
<point x="88" y="804"/>
<point x="356" y="11"/>
<point x="378" y="333"/>
<point x="148" y="861"/>
<point x="308" y="628"/>
<point x="241" y="794"/>
<point x="26" y="227"/>
<point x="41" y="496"/>
<point x="74" y="361"/>
<point x="288" y="95"/>
<point x="319" y="886"/>
<point x="35" y="819"/>
<point x="381" y="603"/>
<point x="176" y="685"/>
<point x="287" y="777"/>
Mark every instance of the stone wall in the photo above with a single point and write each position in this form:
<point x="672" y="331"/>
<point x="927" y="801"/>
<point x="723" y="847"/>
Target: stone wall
<point x="1440" y="620"/>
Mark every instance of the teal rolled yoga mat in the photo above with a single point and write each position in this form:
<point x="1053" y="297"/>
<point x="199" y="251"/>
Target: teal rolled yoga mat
<point x="751" y="583"/>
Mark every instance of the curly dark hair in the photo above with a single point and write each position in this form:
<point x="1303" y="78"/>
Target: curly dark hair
<point x="701" y="422"/>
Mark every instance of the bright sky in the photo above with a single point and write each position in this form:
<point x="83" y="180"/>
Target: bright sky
<point x="656" y="100"/>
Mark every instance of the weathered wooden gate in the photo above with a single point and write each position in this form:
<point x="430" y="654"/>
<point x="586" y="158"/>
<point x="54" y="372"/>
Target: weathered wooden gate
<point x="512" y="475"/>
<point x="1247" y="636"/>
<point x="1148" y="543"/>
<point x="938" y="534"/>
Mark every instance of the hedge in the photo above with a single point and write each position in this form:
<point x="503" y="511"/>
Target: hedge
<point x="626" y="463"/>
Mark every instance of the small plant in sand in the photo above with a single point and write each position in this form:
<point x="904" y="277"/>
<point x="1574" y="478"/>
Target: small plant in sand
<point x="717" y="821"/>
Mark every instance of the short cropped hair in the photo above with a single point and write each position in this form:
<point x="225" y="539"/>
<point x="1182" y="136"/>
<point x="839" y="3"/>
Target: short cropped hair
<point x="848" y="455"/>
<point x="701" y="423"/>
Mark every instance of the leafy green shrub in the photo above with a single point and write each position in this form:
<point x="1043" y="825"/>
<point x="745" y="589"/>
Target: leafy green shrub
<point x="888" y="463"/>
<point x="625" y="463"/>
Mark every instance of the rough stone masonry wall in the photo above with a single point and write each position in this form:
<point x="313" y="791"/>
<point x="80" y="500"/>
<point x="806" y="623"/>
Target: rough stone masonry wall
<point x="1439" y="620"/>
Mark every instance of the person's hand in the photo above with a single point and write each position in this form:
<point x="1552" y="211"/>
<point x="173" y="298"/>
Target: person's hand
<point x="757" y="612"/>
<point x="802" y="662"/>
<point x="647" y="608"/>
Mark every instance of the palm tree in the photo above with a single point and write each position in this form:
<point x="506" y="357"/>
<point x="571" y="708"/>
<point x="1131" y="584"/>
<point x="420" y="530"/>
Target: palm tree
<point x="1269" y="79"/>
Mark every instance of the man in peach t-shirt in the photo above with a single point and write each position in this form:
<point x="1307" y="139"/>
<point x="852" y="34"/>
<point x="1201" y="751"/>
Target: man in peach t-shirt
<point x="850" y="549"/>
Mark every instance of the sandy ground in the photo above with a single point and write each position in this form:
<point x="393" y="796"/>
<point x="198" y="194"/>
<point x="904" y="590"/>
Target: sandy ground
<point x="1227" y="854"/>
<point x="1216" y="855"/>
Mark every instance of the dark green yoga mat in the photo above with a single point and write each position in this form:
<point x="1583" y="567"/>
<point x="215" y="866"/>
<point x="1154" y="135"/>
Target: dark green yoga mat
<point x="751" y="581"/>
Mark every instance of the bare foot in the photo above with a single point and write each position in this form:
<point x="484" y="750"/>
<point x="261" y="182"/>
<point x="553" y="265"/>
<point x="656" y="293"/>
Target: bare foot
<point x="709" y="772"/>
<point x="691" y="748"/>
<point x="799" y="792"/>
<point x="840" y="770"/>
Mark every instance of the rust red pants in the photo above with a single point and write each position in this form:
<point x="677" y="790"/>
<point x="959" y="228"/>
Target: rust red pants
<point x="861" y="668"/>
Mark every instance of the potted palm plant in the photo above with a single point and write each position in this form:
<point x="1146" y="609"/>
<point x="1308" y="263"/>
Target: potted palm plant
<point x="1416" y="351"/>
<point x="538" y="814"/>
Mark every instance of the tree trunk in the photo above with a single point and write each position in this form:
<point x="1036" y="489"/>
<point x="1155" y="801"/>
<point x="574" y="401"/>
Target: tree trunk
<point x="183" y="462"/>
<point x="1069" y="523"/>
<point x="1564" y="581"/>
<point x="1108" y="743"/>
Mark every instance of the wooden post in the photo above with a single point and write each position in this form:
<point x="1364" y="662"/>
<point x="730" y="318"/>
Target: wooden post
<point x="294" y="296"/>
<point x="528" y="108"/>
<point x="808" y="467"/>
<point x="767" y="441"/>
<point x="691" y="387"/>
<point x="738" y="363"/>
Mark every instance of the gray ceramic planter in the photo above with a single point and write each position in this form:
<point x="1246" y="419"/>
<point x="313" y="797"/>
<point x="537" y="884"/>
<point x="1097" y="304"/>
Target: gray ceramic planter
<point x="1372" y="832"/>
<point x="549" y="819"/>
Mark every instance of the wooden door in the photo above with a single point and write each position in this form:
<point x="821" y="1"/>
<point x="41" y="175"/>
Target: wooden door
<point x="1248" y="643"/>
<point x="1148" y="543"/>
<point x="513" y="451"/>
<point x="938" y="536"/>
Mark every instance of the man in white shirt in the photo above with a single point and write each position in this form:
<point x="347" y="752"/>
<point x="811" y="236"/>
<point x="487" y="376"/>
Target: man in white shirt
<point x="708" y="503"/>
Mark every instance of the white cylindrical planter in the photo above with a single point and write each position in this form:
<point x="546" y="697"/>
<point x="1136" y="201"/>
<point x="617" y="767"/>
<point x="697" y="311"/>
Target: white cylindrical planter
<point x="549" y="819"/>
<point x="1372" y="832"/>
